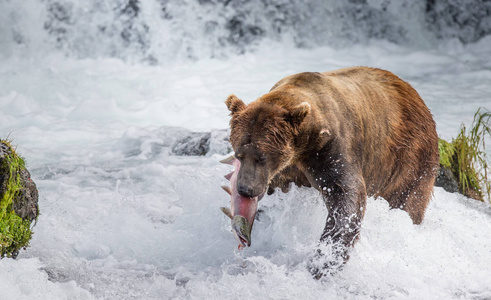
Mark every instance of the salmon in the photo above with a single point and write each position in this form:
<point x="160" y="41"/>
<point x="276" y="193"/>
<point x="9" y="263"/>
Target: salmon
<point x="242" y="209"/>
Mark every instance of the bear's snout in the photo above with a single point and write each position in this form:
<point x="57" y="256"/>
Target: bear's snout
<point x="245" y="191"/>
<point x="251" y="180"/>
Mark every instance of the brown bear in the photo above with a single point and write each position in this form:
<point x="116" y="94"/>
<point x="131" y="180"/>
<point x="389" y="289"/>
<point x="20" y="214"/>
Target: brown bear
<point x="349" y="133"/>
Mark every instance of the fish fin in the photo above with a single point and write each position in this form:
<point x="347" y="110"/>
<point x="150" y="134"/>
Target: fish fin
<point x="226" y="211"/>
<point x="229" y="175"/>
<point x="227" y="189"/>
<point x="229" y="160"/>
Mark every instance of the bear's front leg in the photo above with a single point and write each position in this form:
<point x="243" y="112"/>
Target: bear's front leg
<point x="345" y="199"/>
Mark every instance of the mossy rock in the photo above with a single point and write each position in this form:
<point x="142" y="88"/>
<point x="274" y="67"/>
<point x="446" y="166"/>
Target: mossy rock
<point x="18" y="202"/>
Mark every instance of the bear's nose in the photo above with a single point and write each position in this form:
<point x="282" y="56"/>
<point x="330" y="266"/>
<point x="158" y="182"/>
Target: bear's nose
<point x="245" y="191"/>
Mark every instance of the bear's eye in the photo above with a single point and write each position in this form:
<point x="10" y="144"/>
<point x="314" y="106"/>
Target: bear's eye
<point x="261" y="159"/>
<point x="239" y="156"/>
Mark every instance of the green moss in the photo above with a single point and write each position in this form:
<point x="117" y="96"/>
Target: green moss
<point x="15" y="232"/>
<point x="466" y="156"/>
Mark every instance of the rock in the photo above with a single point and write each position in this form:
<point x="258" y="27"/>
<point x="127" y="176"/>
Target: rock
<point x="202" y="143"/>
<point x="25" y="203"/>
<point x="195" y="143"/>
<point x="173" y="141"/>
<point x="18" y="202"/>
<point x="446" y="179"/>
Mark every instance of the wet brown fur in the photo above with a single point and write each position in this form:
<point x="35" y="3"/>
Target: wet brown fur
<point x="348" y="133"/>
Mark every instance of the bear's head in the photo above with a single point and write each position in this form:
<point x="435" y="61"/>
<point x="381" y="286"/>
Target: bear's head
<point x="262" y="136"/>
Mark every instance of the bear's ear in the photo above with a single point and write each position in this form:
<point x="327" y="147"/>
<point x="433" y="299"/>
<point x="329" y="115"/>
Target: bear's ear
<point x="234" y="104"/>
<point x="298" y="113"/>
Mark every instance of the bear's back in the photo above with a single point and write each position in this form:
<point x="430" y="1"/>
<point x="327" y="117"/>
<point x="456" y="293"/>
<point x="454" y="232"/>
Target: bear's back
<point x="381" y="121"/>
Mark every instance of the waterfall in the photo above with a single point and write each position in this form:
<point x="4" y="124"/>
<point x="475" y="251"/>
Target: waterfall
<point x="156" y="31"/>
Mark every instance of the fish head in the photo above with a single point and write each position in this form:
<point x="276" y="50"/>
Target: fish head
<point x="242" y="228"/>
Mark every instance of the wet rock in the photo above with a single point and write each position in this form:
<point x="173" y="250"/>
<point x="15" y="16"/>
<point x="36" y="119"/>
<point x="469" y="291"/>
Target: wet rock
<point x="195" y="143"/>
<point x="449" y="182"/>
<point x="446" y="179"/>
<point x="173" y="141"/>
<point x="202" y="143"/>
<point x="25" y="203"/>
